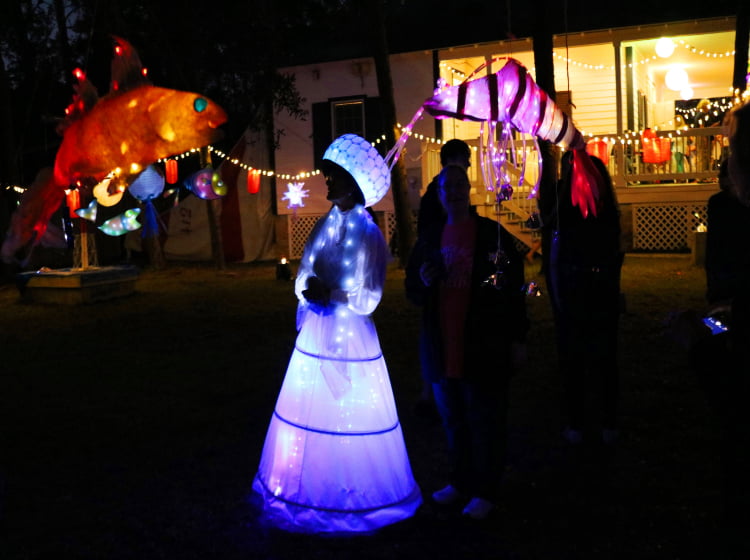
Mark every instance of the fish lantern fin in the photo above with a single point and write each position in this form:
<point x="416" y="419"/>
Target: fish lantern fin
<point x="85" y="96"/>
<point x="127" y="71"/>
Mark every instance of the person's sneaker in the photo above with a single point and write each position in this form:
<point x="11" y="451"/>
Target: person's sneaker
<point x="573" y="437"/>
<point x="478" y="508"/>
<point x="446" y="496"/>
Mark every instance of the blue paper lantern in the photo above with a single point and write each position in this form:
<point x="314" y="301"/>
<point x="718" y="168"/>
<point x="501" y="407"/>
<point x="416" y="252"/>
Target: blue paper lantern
<point x="148" y="185"/>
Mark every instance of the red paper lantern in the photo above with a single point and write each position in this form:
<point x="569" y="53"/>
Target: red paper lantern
<point x="253" y="182"/>
<point x="655" y="148"/>
<point x="73" y="200"/>
<point x="600" y="149"/>
<point x="171" y="171"/>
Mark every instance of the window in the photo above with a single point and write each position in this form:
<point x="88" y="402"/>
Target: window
<point x="356" y="115"/>
<point x="348" y="117"/>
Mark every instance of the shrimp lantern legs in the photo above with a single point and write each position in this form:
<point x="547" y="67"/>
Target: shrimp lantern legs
<point x="510" y="96"/>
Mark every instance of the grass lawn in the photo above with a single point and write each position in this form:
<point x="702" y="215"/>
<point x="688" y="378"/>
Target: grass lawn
<point x="132" y="429"/>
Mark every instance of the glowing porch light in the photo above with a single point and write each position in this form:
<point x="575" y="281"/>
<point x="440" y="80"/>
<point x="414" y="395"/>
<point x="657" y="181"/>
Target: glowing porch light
<point x="676" y="78"/>
<point x="665" y="47"/>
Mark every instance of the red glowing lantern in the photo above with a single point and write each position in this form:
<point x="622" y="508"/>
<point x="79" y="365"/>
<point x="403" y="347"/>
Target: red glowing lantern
<point x="171" y="171"/>
<point x="73" y="201"/>
<point x="655" y="148"/>
<point x="253" y="181"/>
<point x="600" y="149"/>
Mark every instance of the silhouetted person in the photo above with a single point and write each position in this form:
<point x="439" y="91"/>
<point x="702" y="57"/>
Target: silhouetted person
<point x="583" y="279"/>
<point x="474" y="333"/>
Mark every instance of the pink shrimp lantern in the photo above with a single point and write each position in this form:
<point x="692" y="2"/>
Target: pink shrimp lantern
<point x="512" y="98"/>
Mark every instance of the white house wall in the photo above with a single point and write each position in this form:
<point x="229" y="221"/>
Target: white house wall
<point x="412" y="83"/>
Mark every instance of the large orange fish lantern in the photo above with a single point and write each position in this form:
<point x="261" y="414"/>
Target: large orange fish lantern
<point x="133" y="126"/>
<point x="511" y="100"/>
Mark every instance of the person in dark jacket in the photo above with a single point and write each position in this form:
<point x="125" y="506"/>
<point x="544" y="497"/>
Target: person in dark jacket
<point x="431" y="215"/>
<point x="583" y="266"/>
<point x="727" y="241"/>
<point x="469" y="276"/>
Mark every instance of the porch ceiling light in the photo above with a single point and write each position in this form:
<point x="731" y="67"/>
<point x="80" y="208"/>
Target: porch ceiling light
<point x="664" y="47"/>
<point x="676" y="78"/>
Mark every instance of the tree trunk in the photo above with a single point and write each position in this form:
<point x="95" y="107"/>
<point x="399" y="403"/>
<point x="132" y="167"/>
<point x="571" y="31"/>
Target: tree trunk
<point x="213" y="207"/>
<point x="404" y="219"/>
<point x="545" y="79"/>
<point x="741" y="39"/>
<point x="8" y="152"/>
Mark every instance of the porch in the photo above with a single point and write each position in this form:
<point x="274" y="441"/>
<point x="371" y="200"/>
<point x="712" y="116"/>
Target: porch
<point x="663" y="197"/>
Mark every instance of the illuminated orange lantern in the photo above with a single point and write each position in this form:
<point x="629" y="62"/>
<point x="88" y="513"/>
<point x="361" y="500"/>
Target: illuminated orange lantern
<point x="171" y="171"/>
<point x="655" y="149"/>
<point x="73" y="200"/>
<point x="600" y="149"/>
<point x="253" y="182"/>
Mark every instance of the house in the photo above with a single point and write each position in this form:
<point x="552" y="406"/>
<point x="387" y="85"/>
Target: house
<point x="612" y="82"/>
<point x="649" y="98"/>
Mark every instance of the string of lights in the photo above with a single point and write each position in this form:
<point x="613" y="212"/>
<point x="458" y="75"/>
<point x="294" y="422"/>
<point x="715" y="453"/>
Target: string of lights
<point x="715" y="108"/>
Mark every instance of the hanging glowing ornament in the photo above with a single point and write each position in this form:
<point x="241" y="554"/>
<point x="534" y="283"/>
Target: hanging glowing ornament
<point x="253" y="181"/>
<point x="107" y="193"/>
<point x="73" y="201"/>
<point x="664" y="47"/>
<point x="170" y="169"/>
<point x="88" y="213"/>
<point x="148" y="185"/>
<point x="294" y="195"/>
<point x="206" y="184"/>
<point x="145" y="188"/>
<point x="217" y="184"/>
<point x="122" y="224"/>
<point x="598" y="148"/>
<point x="686" y="93"/>
<point x="676" y="78"/>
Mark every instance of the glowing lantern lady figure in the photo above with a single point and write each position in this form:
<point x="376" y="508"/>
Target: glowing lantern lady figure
<point x="334" y="459"/>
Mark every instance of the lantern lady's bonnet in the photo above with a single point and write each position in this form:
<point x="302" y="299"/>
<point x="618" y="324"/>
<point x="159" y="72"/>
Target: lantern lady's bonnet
<point x="363" y="162"/>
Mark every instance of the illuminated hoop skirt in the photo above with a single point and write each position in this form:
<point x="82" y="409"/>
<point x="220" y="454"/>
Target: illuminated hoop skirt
<point x="334" y="458"/>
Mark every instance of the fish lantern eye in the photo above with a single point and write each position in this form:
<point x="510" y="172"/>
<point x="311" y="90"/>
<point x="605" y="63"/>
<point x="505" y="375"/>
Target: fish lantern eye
<point x="200" y="104"/>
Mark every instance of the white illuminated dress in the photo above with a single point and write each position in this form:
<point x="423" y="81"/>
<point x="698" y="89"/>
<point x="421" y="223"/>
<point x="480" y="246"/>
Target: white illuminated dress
<point x="334" y="458"/>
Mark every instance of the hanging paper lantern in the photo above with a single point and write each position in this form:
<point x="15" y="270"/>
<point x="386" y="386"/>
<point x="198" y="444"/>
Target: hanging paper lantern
<point x="122" y="224"/>
<point x="73" y="201"/>
<point x="170" y="167"/>
<point x="106" y="194"/>
<point x="600" y="149"/>
<point x="253" y="182"/>
<point x="655" y="148"/>
<point x="217" y="184"/>
<point x="148" y="185"/>
<point x="201" y="184"/>
<point x="88" y="213"/>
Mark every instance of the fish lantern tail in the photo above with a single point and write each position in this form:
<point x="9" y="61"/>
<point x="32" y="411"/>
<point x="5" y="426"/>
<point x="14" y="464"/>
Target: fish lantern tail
<point x="586" y="183"/>
<point x="29" y="221"/>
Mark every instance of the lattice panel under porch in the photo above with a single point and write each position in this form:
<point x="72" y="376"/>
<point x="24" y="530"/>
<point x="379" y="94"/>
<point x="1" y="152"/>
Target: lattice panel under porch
<point x="299" y="230"/>
<point x="665" y="227"/>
